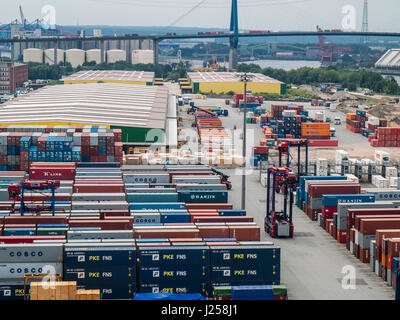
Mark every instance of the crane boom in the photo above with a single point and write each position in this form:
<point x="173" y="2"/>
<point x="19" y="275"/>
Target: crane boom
<point x="22" y="17"/>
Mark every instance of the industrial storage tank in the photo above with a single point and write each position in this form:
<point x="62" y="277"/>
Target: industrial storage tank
<point x="49" y="56"/>
<point x="75" y="57"/>
<point x="93" y="55"/>
<point x="116" y="55"/>
<point x="33" y="55"/>
<point x="142" y="56"/>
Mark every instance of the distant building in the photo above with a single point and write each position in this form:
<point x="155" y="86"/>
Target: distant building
<point x="313" y="52"/>
<point x="284" y="54"/>
<point x="96" y="32"/>
<point x="12" y="76"/>
<point x="223" y="82"/>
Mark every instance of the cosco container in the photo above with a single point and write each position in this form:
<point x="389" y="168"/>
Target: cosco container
<point x="31" y="252"/>
<point x="18" y="270"/>
<point x="144" y="218"/>
<point x="146" y="178"/>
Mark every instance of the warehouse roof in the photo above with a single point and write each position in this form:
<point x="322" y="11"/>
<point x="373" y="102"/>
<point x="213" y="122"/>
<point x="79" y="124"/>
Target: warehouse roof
<point x="228" y="77"/>
<point x="391" y="59"/>
<point x="92" y="103"/>
<point x="111" y="75"/>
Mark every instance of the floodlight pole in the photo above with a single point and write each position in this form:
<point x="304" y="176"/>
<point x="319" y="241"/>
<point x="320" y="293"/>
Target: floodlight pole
<point x="245" y="77"/>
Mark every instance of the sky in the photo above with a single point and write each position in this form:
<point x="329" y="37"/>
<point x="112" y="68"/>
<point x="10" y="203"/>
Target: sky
<point x="253" y="14"/>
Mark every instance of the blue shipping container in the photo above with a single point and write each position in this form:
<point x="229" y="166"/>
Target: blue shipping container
<point x="332" y="200"/>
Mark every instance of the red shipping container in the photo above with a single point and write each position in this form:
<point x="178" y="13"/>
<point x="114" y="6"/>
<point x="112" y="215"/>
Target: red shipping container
<point x="244" y="233"/>
<point x="52" y="173"/>
<point x="208" y="206"/>
<point x="260" y="150"/>
<point x="27" y="239"/>
<point x="103" y="224"/>
<point x="99" y="188"/>
<point x="222" y="244"/>
<point x="166" y="233"/>
<point x="316" y="190"/>
<point x="212" y="219"/>
<point x="214" y="231"/>
<point x="327" y="212"/>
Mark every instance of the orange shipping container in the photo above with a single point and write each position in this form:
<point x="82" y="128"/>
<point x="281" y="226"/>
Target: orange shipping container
<point x="315" y="125"/>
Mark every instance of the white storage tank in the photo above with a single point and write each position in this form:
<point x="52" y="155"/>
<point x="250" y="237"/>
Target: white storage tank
<point x="33" y="55"/>
<point x="49" y="56"/>
<point x="142" y="56"/>
<point x="76" y="57"/>
<point x="116" y="55"/>
<point x="93" y="55"/>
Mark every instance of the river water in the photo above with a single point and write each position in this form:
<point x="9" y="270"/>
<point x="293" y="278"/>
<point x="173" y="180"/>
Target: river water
<point x="277" y="64"/>
<point x="286" y="64"/>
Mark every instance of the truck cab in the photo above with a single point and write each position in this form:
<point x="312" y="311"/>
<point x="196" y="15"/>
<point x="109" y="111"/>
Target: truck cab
<point x="332" y="131"/>
<point x="338" y="121"/>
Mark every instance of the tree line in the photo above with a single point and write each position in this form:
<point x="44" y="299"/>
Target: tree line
<point x="56" y="72"/>
<point x="314" y="76"/>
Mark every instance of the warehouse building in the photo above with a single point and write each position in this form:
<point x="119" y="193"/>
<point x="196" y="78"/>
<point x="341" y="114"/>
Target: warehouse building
<point x="111" y="76"/>
<point x="141" y="112"/>
<point x="223" y="82"/>
<point x="390" y="60"/>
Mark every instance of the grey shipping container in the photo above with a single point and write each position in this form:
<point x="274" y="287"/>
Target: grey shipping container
<point x="146" y="177"/>
<point x="152" y="197"/>
<point x="18" y="270"/>
<point x="100" y="234"/>
<point x="98" y="197"/>
<point x="197" y="179"/>
<point x="31" y="252"/>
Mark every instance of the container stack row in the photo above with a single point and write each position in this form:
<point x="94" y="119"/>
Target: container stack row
<point x="367" y="221"/>
<point x="134" y="230"/>
<point x="19" y="149"/>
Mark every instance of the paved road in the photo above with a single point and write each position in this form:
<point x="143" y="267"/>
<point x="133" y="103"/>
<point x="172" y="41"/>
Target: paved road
<point x="312" y="261"/>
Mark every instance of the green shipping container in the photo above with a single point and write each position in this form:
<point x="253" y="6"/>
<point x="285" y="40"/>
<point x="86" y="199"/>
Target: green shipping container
<point x="52" y="231"/>
<point x="223" y="291"/>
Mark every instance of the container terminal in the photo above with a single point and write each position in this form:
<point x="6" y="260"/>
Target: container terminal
<point x="123" y="190"/>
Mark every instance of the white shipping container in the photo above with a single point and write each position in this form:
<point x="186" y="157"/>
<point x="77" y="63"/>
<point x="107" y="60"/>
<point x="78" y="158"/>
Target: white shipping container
<point x="352" y="177"/>
<point x="381" y="156"/>
<point x="391" y="172"/>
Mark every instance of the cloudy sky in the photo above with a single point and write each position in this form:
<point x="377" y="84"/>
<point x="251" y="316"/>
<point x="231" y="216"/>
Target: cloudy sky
<point x="253" y="14"/>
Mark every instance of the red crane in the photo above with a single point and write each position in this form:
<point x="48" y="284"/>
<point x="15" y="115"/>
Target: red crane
<point x="328" y="49"/>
